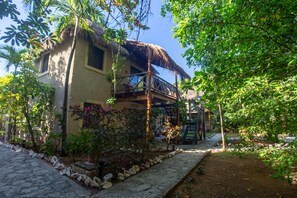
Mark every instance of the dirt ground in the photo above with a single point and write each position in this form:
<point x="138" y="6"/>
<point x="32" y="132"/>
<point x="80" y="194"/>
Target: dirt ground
<point x="227" y="175"/>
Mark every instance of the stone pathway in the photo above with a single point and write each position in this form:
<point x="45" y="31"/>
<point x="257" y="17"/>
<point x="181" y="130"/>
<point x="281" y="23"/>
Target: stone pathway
<point x="158" y="180"/>
<point x="23" y="176"/>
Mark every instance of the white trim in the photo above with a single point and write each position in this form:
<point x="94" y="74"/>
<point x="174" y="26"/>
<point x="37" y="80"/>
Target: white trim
<point x="41" y="63"/>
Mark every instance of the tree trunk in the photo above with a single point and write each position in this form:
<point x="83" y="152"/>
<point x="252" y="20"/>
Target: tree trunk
<point x="149" y="98"/>
<point x="30" y="129"/>
<point x="8" y="130"/>
<point x="222" y="127"/>
<point x="203" y="125"/>
<point x="65" y="101"/>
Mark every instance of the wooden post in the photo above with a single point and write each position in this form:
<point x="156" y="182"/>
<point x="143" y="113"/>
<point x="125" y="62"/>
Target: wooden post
<point x="189" y="102"/>
<point x="203" y="124"/>
<point x="177" y="99"/>
<point x="209" y="121"/>
<point x="222" y="126"/>
<point x="149" y="96"/>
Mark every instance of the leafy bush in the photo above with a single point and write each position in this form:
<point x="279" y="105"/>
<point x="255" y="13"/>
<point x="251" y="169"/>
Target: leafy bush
<point x="83" y="143"/>
<point x="108" y="130"/>
<point x="52" y="143"/>
<point x="281" y="159"/>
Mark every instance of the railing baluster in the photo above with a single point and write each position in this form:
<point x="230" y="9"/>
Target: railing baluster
<point x="158" y="84"/>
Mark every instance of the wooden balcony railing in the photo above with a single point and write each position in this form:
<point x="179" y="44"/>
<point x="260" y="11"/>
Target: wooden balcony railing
<point x="138" y="84"/>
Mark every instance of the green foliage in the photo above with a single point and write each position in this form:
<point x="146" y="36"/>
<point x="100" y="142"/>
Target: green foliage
<point x="52" y="143"/>
<point x="108" y="129"/>
<point x="8" y="9"/>
<point x="24" y="95"/>
<point x="29" y="32"/>
<point x="281" y="160"/>
<point x="182" y="106"/>
<point x="12" y="56"/>
<point x="82" y="143"/>
<point x="246" y="51"/>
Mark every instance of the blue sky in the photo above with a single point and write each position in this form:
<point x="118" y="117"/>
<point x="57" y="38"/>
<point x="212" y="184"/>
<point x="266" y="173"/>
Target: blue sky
<point x="159" y="34"/>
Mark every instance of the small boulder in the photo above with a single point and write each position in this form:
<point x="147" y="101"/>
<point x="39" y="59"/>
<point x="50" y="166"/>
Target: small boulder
<point x="106" y="184"/>
<point x="108" y="177"/>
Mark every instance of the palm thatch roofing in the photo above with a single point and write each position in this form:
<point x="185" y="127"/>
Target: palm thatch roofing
<point x="135" y="50"/>
<point x="139" y="50"/>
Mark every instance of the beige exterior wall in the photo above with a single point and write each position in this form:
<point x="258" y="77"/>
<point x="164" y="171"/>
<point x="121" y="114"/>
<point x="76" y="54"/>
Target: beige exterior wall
<point x="86" y="84"/>
<point x="55" y="76"/>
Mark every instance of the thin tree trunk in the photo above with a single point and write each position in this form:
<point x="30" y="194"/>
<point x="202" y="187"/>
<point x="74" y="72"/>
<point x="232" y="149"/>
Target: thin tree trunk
<point x="177" y="100"/>
<point x="65" y="101"/>
<point x="222" y="127"/>
<point x="209" y="122"/>
<point x="149" y="97"/>
<point x="203" y="125"/>
<point x="8" y="129"/>
<point x="30" y="129"/>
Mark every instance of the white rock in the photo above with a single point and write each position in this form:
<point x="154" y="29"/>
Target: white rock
<point x="136" y="168"/>
<point x="54" y="160"/>
<point x="66" y="171"/>
<point x="59" y="166"/>
<point x="82" y="177"/>
<point x="151" y="162"/>
<point x="142" y="167"/>
<point x="126" y="174"/>
<point x="74" y="175"/>
<point x="121" y="178"/>
<point x="106" y="184"/>
<point x="132" y="171"/>
<point x="88" y="181"/>
<point x="147" y="164"/>
<point x="97" y="181"/>
<point x="107" y="177"/>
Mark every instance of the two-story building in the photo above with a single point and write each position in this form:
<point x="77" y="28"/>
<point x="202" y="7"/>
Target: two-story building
<point x="138" y="84"/>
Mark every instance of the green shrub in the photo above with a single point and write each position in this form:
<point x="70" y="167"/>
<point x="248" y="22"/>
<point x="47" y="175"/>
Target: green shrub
<point x="52" y="143"/>
<point x="281" y="159"/>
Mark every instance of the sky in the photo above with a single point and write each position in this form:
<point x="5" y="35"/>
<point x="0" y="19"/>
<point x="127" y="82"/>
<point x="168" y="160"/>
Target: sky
<point x="159" y="34"/>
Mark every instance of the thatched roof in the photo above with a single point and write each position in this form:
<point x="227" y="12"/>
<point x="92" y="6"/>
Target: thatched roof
<point x="134" y="50"/>
<point x="138" y="50"/>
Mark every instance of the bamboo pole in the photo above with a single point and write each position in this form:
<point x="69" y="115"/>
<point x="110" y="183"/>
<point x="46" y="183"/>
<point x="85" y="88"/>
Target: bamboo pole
<point x="177" y="99"/>
<point x="149" y="96"/>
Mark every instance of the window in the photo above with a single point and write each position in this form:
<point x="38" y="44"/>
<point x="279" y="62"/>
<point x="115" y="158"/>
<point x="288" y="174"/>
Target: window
<point x="95" y="57"/>
<point x="44" y="66"/>
<point x="91" y="115"/>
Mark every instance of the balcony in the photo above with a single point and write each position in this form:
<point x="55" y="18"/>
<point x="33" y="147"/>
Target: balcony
<point x="135" y="88"/>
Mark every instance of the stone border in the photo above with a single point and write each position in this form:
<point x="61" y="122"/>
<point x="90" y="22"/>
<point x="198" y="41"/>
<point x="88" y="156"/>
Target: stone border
<point x="95" y="182"/>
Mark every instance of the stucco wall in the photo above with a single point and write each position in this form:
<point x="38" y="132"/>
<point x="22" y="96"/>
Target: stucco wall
<point x="86" y="84"/>
<point x="89" y="84"/>
<point x="55" y="76"/>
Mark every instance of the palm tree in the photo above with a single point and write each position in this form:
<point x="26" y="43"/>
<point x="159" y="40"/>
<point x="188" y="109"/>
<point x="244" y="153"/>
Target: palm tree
<point x="73" y="13"/>
<point x="12" y="55"/>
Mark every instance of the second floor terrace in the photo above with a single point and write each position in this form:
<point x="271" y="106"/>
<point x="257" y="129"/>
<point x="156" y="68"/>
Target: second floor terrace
<point x="135" y="88"/>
